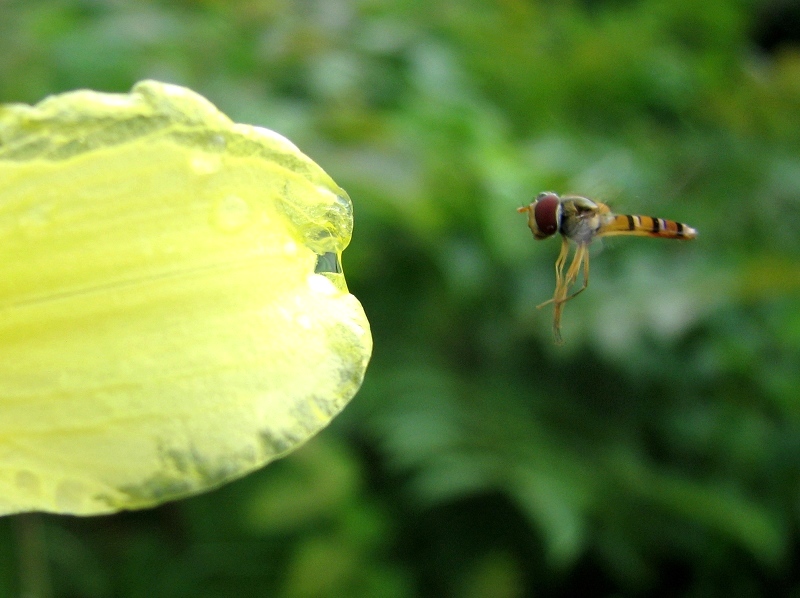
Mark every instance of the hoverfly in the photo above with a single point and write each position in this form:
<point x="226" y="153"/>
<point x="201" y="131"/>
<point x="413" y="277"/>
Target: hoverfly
<point x="582" y="220"/>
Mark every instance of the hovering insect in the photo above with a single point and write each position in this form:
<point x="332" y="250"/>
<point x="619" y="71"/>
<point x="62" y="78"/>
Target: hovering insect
<point x="582" y="220"/>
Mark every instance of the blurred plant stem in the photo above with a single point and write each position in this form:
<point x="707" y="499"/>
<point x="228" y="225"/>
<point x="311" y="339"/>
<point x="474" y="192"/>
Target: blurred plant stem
<point x="34" y="575"/>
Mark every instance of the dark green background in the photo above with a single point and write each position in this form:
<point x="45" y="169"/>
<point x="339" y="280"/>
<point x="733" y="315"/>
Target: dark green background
<point x="656" y="453"/>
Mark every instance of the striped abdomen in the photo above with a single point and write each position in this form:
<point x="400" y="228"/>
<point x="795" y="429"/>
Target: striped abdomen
<point x="646" y="226"/>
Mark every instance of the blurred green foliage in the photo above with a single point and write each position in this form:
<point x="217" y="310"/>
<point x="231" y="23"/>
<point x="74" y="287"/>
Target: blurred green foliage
<point x="656" y="453"/>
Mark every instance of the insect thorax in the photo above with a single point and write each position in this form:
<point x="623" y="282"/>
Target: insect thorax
<point x="582" y="218"/>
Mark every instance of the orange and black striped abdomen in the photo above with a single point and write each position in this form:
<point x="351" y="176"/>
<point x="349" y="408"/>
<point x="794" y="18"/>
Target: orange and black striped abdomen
<point x="647" y="226"/>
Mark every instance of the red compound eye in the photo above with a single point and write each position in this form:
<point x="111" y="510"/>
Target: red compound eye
<point x="546" y="214"/>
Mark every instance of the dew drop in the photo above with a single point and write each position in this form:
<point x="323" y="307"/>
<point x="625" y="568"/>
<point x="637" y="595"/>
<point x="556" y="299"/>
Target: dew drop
<point x="204" y="164"/>
<point x="290" y="248"/>
<point x="34" y="221"/>
<point x="69" y="495"/>
<point x="218" y="142"/>
<point x="320" y="284"/>
<point x="28" y="482"/>
<point x="231" y="213"/>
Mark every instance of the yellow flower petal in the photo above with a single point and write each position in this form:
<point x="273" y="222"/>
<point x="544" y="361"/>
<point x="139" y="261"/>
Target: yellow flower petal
<point x="162" y="327"/>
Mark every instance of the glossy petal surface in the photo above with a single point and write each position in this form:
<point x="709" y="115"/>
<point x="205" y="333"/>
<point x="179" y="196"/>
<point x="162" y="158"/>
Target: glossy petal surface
<point x="162" y="327"/>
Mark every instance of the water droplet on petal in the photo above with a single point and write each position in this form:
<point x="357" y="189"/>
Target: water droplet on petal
<point x="290" y="248"/>
<point x="320" y="284"/>
<point x="28" y="482"/>
<point x="203" y="163"/>
<point x="231" y="213"/>
<point x="34" y="221"/>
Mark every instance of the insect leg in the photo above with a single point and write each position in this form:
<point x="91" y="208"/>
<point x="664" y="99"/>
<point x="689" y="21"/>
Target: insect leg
<point x="585" y="258"/>
<point x="563" y="285"/>
<point x="560" y="297"/>
<point x="560" y="262"/>
<point x="562" y="288"/>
